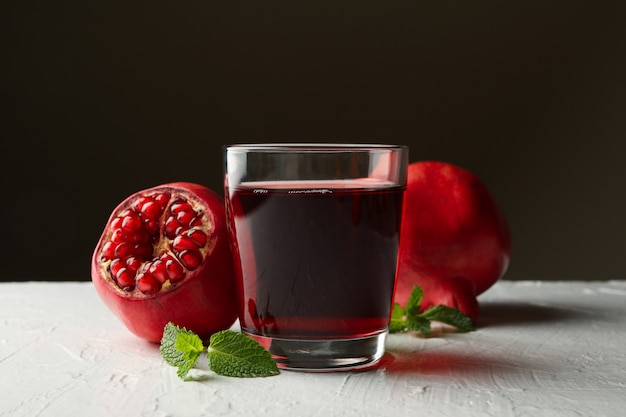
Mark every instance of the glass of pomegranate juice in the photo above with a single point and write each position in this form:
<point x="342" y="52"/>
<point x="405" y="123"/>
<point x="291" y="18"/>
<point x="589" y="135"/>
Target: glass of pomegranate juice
<point x="315" y="231"/>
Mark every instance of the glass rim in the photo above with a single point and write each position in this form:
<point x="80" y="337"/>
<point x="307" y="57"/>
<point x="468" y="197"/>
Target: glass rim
<point x="312" y="146"/>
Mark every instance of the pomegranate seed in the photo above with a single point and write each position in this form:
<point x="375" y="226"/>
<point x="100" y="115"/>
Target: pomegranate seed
<point x="145" y="267"/>
<point x="141" y="236"/>
<point x="165" y="257"/>
<point x="125" y="212"/>
<point x="108" y="251"/>
<point x="182" y="243"/>
<point x="180" y="205"/>
<point x="151" y="210"/>
<point x="143" y="250"/>
<point x="131" y="223"/>
<point x="123" y="250"/>
<point x="175" y="270"/>
<point x="116" y="223"/>
<point x="139" y="203"/>
<point x="162" y="199"/>
<point x="118" y="236"/>
<point x="191" y="259"/>
<point x="185" y="217"/>
<point x="115" y="266"/>
<point x="133" y="263"/>
<point x="171" y="225"/>
<point x="125" y="279"/>
<point x="197" y="221"/>
<point x="148" y="284"/>
<point x="158" y="270"/>
<point x="198" y="236"/>
<point x="152" y="226"/>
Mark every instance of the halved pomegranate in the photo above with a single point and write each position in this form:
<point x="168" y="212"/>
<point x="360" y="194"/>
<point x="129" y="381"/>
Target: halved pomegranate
<point x="164" y="256"/>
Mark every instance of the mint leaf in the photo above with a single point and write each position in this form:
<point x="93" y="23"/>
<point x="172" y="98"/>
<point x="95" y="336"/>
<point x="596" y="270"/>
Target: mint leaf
<point x="168" y="345"/>
<point x="192" y="347"/>
<point x="449" y="315"/>
<point x="235" y="354"/>
<point x="417" y="323"/>
<point x="181" y="348"/>
<point x="397" y="323"/>
<point x="410" y="318"/>
<point x="415" y="300"/>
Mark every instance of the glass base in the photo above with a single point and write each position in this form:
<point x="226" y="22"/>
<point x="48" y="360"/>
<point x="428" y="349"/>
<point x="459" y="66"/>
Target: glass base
<point x="324" y="355"/>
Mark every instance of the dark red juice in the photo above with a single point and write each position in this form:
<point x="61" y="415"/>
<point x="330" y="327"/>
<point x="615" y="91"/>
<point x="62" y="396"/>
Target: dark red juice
<point x="317" y="260"/>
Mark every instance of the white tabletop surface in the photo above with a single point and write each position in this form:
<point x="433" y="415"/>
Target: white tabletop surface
<point x="541" y="349"/>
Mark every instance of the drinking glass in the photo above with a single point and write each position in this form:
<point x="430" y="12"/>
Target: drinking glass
<point x="315" y="230"/>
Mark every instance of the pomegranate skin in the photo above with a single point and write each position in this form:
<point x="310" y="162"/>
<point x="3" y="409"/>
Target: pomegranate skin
<point x="455" y="241"/>
<point x="203" y="302"/>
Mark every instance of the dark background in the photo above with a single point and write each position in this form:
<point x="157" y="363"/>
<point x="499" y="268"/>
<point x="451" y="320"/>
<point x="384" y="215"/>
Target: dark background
<point x="102" y="99"/>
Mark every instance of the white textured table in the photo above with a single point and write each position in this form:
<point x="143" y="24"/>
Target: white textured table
<point x="541" y="349"/>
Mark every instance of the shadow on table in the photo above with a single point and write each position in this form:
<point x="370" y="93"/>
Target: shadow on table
<point x="506" y="314"/>
<point x="480" y="368"/>
<point x="484" y="364"/>
<point x="426" y="363"/>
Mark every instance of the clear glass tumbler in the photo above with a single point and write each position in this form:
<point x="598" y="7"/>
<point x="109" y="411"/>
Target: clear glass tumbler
<point x="315" y="230"/>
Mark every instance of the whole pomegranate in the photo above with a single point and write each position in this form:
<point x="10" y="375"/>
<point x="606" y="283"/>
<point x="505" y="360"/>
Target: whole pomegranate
<point x="454" y="242"/>
<point x="164" y="256"/>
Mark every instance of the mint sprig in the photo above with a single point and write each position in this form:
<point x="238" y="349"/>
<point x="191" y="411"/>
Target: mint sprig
<point x="229" y="353"/>
<point x="409" y="318"/>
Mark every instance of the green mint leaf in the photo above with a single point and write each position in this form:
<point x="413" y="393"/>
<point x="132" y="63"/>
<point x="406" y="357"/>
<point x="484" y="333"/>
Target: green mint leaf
<point x="410" y="318"/>
<point x="181" y="348"/>
<point x="449" y="315"/>
<point x="397" y="321"/>
<point x="415" y="300"/>
<point x="191" y="345"/>
<point x="168" y="345"/>
<point x="417" y="323"/>
<point x="407" y="318"/>
<point x="234" y="354"/>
